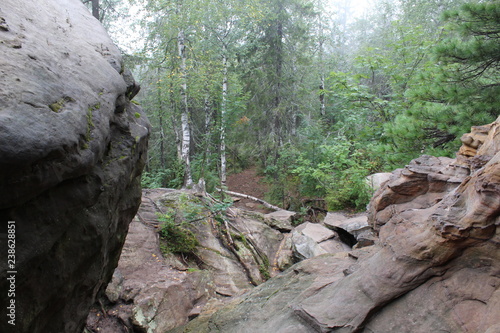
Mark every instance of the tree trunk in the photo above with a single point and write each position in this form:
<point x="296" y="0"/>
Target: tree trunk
<point x="245" y="196"/>
<point x="160" y="123"/>
<point x="223" y="177"/>
<point x="175" y="123"/>
<point x="208" y="126"/>
<point x="322" y="108"/>
<point x="95" y="9"/>
<point x="278" y="121"/>
<point x="186" y="130"/>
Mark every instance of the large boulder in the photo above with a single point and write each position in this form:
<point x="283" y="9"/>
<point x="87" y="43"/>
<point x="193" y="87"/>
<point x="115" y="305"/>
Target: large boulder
<point x="72" y="148"/>
<point x="311" y="239"/>
<point x="434" y="269"/>
<point x="353" y="230"/>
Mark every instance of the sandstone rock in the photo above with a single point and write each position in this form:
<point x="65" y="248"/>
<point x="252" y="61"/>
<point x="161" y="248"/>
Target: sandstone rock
<point x="416" y="248"/>
<point x="352" y="230"/>
<point x="284" y="256"/>
<point x="376" y="180"/>
<point x="316" y="232"/>
<point x="421" y="184"/>
<point x="72" y="148"/>
<point x="268" y="308"/>
<point x="435" y="268"/>
<point x="310" y="240"/>
<point x="479" y="146"/>
<point x="148" y="294"/>
<point x="355" y="225"/>
<point x="155" y="292"/>
<point x="305" y="247"/>
<point x="334" y="219"/>
<point x="281" y="220"/>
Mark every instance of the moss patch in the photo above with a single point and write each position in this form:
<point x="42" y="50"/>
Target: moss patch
<point x="59" y="105"/>
<point x="177" y="239"/>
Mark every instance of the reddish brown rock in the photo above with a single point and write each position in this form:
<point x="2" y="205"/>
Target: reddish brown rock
<point x="435" y="269"/>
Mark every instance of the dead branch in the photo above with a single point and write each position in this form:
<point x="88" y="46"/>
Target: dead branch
<point x="245" y="196"/>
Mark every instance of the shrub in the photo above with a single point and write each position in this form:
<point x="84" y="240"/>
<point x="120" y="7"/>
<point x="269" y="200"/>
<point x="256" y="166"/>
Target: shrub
<point x="176" y="238"/>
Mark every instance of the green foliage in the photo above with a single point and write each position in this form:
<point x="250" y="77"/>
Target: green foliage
<point x="389" y="96"/>
<point x="264" y="272"/>
<point x="183" y="213"/>
<point x="174" y="237"/>
<point x="458" y="91"/>
<point x="203" y="167"/>
<point x="57" y="106"/>
<point x="335" y="170"/>
<point x="171" y="177"/>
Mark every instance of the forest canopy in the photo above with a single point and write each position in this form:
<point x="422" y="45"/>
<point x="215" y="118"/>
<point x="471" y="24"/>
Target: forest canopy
<point x="315" y="97"/>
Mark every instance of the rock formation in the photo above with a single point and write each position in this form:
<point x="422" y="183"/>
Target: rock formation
<point x="434" y="268"/>
<point x="72" y="148"/>
<point x="154" y="290"/>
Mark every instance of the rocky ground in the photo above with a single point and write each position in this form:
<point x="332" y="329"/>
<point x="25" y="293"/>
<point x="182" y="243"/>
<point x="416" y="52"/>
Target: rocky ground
<point x="423" y="259"/>
<point x="157" y="292"/>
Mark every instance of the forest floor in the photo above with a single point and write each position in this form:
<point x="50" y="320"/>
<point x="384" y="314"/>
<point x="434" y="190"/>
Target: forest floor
<point x="250" y="183"/>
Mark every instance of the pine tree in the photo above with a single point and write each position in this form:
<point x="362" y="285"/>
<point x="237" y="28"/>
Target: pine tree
<point x="459" y="90"/>
<point x="476" y="55"/>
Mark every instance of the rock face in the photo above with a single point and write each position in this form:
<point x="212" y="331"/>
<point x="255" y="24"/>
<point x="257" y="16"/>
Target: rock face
<point x="421" y="184"/>
<point x="72" y="148"/>
<point x="153" y="291"/>
<point x="435" y="267"/>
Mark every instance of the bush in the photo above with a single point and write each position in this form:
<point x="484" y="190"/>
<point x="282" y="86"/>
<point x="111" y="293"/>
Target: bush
<point x="176" y="238"/>
<point x="334" y="170"/>
<point x="172" y="177"/>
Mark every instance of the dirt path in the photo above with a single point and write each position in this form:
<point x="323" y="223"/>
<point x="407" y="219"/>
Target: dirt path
<point x="250" y="183"/>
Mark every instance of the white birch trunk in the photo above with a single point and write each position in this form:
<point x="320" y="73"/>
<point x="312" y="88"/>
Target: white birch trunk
<point x="223" y="176"/>
<point x="186" y="130"/>
<point x="321" y="64"/>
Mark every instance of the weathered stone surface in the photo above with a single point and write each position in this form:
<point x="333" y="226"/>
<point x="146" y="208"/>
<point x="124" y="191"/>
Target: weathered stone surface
<point x="334" y="219"/>
<point x="155" y="292"/>
<point x="421" y="184"/>
<point x="355" y="229"/>
<point x="417" y="247"/>
<point x="280" y="220"/>
<point x="435" y="268"/>
<point x="316" y="232"/>
<point x="269" y="307"/>
<point x="376" y="180"/>
<point x="146" y="292"/>
<point x="72" y="148"/>
<point x="310" y="240"/>
<point x="355" y="225"/>
<point x="284" y="256"/>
